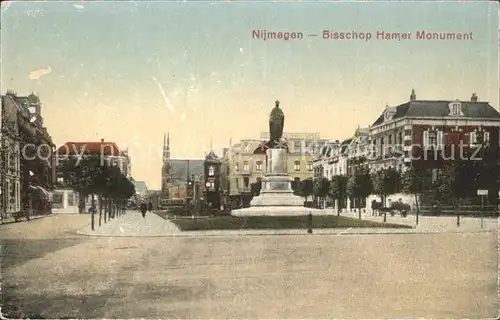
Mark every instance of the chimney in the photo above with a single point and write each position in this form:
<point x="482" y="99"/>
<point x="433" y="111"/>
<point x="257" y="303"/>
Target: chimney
<point x="413" y="96"/>
<point x="473" y="98"/>
<point x="102" y="140"/>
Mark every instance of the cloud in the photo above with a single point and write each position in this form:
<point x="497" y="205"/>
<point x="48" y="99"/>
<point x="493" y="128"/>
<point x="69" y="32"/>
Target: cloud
<point x="36" y="74"/>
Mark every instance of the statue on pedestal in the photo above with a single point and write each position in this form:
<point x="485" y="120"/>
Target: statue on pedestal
<point x="276" y="123"/>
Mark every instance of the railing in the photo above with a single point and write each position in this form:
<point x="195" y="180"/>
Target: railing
<point x="468" y="210"/>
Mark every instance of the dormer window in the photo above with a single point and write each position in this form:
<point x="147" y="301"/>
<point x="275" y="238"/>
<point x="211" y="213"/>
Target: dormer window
<point x="455" y="109"/>
<point x="211" y="171"/>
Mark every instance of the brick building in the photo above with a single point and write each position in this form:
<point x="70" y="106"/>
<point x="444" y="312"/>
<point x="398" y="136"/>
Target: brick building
<point x="27" y="157"/>
<point x="428" y="133"/>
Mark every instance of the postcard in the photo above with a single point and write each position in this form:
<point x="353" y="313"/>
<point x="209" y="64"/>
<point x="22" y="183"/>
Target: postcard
<point x="249" y="159"/>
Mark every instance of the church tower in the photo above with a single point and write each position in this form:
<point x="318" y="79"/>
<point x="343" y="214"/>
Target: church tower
<point x="165" y="170"/>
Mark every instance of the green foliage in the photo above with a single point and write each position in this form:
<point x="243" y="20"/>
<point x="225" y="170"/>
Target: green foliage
<point x="80" y="174"/>
<point x="255" y="187"/>
<point x="462" y="179"/>
<point x="281" y="222"/>
<point x="306" y="188"/>
<point x="89" y="176"/>
<point x="386" y="181"/>
<point x="414" y="181"/>
<point x="321" y="187"/>
<point x="338" y="187"/>
<point x="359" y="184"/>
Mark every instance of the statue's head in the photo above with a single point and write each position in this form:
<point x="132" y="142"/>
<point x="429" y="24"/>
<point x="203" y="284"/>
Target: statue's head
<point x="277" y="104"/>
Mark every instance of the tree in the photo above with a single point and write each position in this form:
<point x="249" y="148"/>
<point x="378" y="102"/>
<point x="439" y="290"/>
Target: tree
<point x="306" y="188"/>
<point x="80" y="174"/>
<point x="414" y="182"/>
<point x="359" y="186"/>
<point x="256" y="187"/>
<point x="385" y="182"/>
<point x="321" y="187"/>
<point x="338" y="190"/>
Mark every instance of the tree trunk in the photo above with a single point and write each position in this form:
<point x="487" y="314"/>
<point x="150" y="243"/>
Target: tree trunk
<point x="359" y="209"/>
<point x="105" y="208"/>
<point x="417" y="208"/>
<point x="92" y="214"/>
<point x="100" y="210"/>
<point x="383" y="206"/>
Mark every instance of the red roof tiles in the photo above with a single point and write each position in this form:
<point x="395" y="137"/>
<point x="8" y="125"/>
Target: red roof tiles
<point x="90" y="148"/>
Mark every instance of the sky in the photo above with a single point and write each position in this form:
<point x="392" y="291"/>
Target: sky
<point x="129" y="71"/>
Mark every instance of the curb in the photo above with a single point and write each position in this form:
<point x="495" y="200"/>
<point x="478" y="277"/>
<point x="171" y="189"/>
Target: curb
<point x="187" y="234"/>
<point x="25" y="220"/>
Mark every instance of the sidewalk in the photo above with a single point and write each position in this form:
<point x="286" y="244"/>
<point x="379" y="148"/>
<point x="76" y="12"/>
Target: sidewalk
<point x="12" y="220"/>
<point x="132" y="224"/>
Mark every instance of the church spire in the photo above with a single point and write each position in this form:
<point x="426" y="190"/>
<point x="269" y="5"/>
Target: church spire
<point x="166" y="147"/>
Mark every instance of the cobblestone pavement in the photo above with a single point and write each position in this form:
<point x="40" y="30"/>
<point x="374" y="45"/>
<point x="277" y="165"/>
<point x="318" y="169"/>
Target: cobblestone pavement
<point x="449" y="275"/>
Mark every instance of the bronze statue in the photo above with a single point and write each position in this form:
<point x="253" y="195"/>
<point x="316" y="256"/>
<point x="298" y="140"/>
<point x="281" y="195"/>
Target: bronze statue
<point x="276" y="123"/>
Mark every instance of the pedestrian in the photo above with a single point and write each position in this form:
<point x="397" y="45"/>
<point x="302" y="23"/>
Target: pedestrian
<point x="150" y="206"/>
<point x="144" y="208"/>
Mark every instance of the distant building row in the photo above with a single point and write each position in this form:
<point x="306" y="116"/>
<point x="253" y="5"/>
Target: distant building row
<point x="419" y="133"/>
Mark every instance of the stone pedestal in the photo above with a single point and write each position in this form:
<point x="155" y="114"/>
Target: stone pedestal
<point x="276" y="195"/>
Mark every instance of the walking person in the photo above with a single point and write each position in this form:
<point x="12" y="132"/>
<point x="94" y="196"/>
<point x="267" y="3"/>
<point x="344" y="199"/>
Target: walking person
<point x="144" y="208"/>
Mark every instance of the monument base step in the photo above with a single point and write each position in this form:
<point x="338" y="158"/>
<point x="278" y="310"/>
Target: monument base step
<point x="271" y="199"/>
<point x="283" y="211"/>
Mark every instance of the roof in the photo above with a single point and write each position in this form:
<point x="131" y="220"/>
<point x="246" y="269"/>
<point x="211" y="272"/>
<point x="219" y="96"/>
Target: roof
<point x="178" y="168"/>
<point x="91" y="148"/>
<point x="211" y="156"/>
<point x="437" y="109"/>
<point x="345" y="144"/>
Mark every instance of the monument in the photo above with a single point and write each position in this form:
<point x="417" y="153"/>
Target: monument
<point x="276" y="196"/>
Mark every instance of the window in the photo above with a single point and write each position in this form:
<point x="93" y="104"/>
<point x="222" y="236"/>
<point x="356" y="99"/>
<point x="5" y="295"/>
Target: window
<point x="456" y="109"/>
<point x="479" y="137"/>
<point x="211" y="171"/>
<point x="237" y="183"/>
<point x="258" y="165"/>
<point x="297" y="145"/>
<point x="433" y="139"/>
<point x="309" y="166"/>
<point x="57" y="200"/>
<point x="296" y="166"/>
<point x="71" y="199"/>
<point x="246" y="181"/>
<point x="236" y="166"/>
<point x="246" y="166"/>
<point x="245" y="147"/>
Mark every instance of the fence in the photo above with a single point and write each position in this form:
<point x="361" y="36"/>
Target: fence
<point x="463" y="210"/>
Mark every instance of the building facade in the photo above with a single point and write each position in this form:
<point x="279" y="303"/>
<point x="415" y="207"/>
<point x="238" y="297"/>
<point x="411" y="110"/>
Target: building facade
<point x="428" y="134"/>
<point x="27" y="153"/>
<point x="10" y="170"/>
<point x="247" y="160"/>
<point x="213" y="191"/>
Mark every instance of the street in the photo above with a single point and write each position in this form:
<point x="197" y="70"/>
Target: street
<point x="49" y="271"/>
